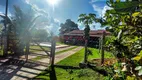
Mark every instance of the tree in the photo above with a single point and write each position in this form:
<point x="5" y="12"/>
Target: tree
<point x="39" y="35"/>
<point x="23" y="23"/>
<point x="68" y="26"/>
<point x="20" y="27"/>
<point x="87" y="20"/>
<point x="125" y="20"/>
<point x="1" y="28"/>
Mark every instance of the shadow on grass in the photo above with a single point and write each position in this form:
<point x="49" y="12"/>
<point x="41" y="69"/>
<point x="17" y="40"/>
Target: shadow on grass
<point x="94" y="68"/>
<point x="99" y="70"/>
<point x="48" y="74"/>
<point x="53" y="74"/>
<point x="66" y="67"/>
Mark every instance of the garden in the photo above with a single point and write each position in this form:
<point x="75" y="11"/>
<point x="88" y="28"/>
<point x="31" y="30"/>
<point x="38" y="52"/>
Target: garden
<point x="118" y="56"/>
<point x="123" y="20"/>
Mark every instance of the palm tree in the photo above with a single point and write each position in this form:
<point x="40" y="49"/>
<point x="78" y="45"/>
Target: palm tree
<point x="20" y="26"/>
<point x="86" y="20"/>
<point x="5" y="24"/>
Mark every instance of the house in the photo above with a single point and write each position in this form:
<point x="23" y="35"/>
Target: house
<point x="77" y="37"/>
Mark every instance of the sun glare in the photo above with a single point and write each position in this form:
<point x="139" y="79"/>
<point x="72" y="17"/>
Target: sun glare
<point x="53" y="2"/>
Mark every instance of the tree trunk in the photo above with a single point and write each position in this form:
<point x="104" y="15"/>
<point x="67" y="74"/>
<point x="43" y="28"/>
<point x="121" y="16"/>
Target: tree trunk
<point x="52" y="55"/>
<point x="27" y="49"/>
<point x="5" y="51"/>
<point x="102" y="48"/>
<point x="85" y="54"/>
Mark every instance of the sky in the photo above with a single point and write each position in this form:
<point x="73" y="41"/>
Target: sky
<point x="59" y="11"/>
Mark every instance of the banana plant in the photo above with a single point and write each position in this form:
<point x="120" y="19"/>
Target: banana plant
<point x="86" y="20"/>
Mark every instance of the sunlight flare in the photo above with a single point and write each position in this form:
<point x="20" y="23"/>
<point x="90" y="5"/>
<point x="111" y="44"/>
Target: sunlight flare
<point x="53" y="2"/>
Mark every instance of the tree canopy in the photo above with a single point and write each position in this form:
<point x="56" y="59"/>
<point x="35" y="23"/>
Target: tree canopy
<point x="87" y="20"/>
<point x="40" y="34"/>
<point x="124" y="21"/>
<point x="68" y="26"/>
<point x="20" y="26"/>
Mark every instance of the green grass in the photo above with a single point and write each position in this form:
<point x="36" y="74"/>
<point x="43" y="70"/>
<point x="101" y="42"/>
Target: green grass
<point x="59" y="43"/>
<point x="66" y="50"/>
<point x="76" y="58"/>
<point x="68" y="74"/>
<point x="75" y="74"/>
<point x="97" y="54"/>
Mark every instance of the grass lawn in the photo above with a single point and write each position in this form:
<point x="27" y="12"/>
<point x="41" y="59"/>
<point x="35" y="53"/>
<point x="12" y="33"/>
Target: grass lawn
<point x="74" y="74"/>
<point x="59" y="43"/>
<point x="75" y="59"/>
<point x="96" y="54"/>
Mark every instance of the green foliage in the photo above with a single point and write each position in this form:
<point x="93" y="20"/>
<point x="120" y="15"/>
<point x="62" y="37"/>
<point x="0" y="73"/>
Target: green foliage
<point x="125" y="6"/>
<point x="39" y="34"/>
<point x="86" y="20"/>
<point x="138" y="57"/>
<point x="68" y="26"/>
<point x="20" y="26"/>
<point x="124" y="22"/>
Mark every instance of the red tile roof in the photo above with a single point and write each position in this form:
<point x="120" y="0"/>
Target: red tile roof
<point x="93" y="33"/>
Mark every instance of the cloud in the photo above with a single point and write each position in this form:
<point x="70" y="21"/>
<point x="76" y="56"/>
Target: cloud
<point x="56" y="20"/>
<point x="52" y="23"/>
<point x="53" y="26"/>
<point x="93" y="1"/>
<point x="93" y="26"/>
<point x="98" y="10"/>
<point x="80" y="25"/>
<point x="105" y="9"/>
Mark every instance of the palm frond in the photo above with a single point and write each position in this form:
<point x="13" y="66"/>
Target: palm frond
<point x="30" y="26"/>
<point x="82" y="15"/>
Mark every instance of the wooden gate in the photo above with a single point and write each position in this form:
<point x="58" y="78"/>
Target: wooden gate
<point x="43" y="52"/>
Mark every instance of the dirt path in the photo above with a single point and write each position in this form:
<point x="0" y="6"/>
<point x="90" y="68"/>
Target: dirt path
<point x="41" y="53"/>
<point x="62" y="56"/>
<point x="60" y="49"/>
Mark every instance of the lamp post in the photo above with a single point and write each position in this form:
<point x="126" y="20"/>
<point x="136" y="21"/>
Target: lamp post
<point x="5" y="51"/>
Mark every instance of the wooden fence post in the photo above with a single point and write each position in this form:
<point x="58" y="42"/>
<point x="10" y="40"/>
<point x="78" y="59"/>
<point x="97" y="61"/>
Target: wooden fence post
<point x="5" y="51"/>
<point x="27" y="48"/>
<point x="85" y="54"/>
<point x="102" y="47"/>
<point x="53" y="46"/>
